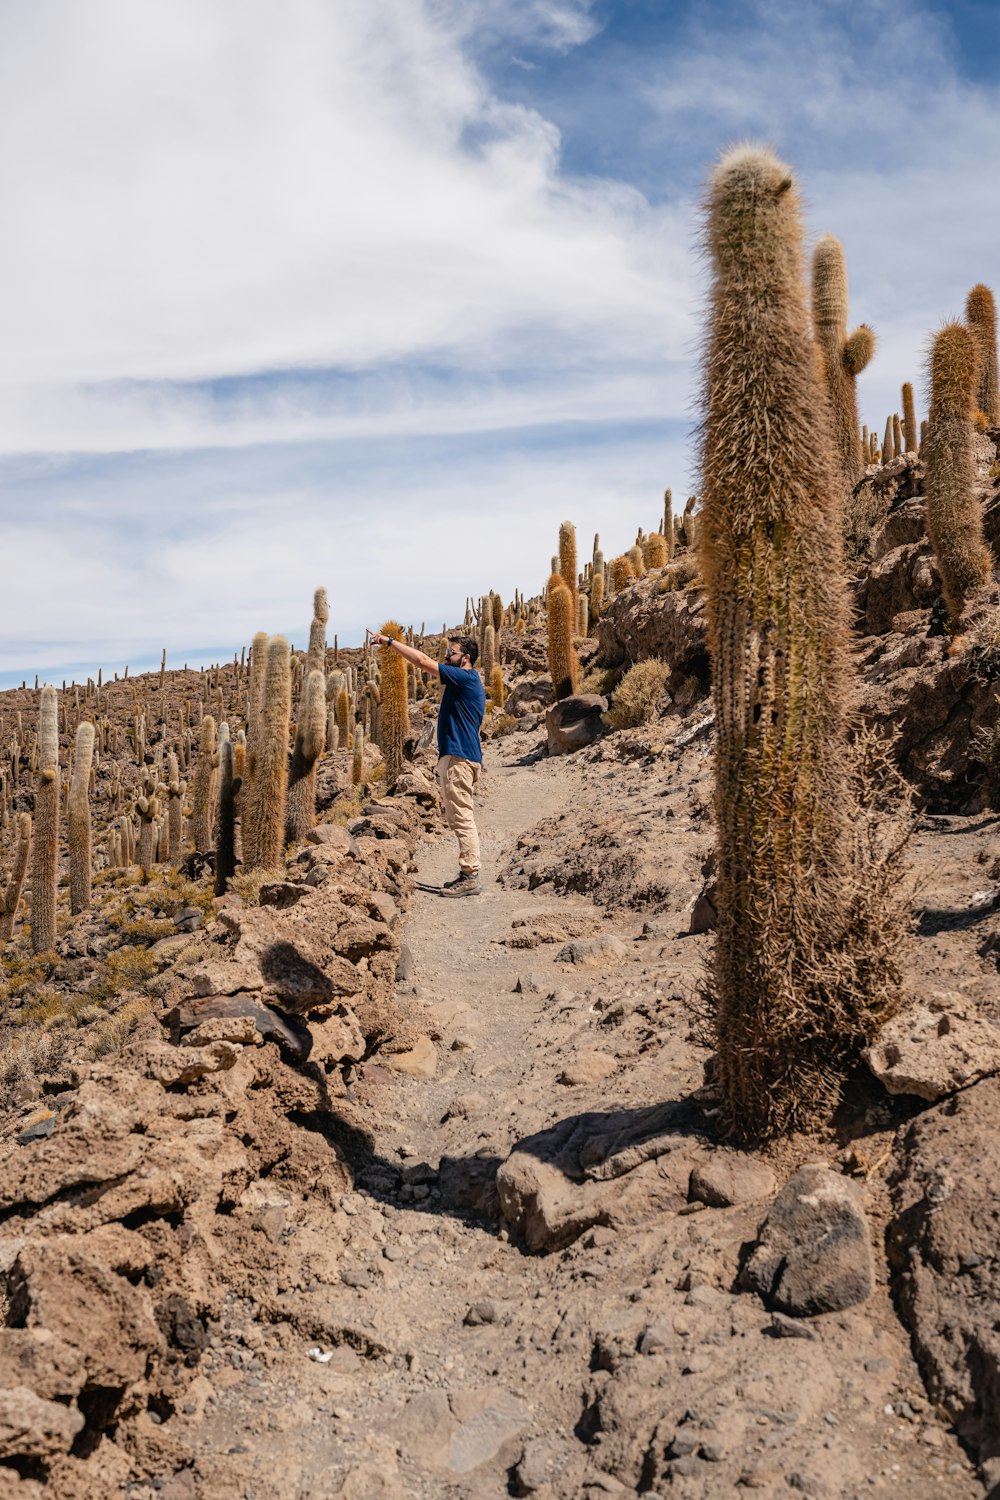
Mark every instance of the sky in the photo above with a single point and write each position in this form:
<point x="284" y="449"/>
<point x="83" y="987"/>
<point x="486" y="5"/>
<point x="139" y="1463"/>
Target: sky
<point x="375" y="293"/>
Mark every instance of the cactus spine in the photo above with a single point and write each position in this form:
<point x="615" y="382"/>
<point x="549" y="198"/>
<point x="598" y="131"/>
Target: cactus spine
<point x="10" y="894"/>
<point x="264" y="821"/>
<point x="954" y="516"/>
<point x="981" y="313"/>
<point x="395" y="708"/>
<point x="45" y="844"/>
<point x="788" y="978"/>
<point x="310" y="737"/>
<point x="563" y="664"/>
<point x="844" y="357"/>
<point x="78" y="821"/>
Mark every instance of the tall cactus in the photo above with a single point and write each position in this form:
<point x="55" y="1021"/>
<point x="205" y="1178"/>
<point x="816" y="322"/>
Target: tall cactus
<point x="954" y="515"/>
<point x="358" y="758"/>
<point x="489" y="654"/>
<point x="203" y="788"/>
<point x="316" y="655"/>
<point x="844" y="356"/>
<point x="148" y="808"/>
<point x="45" y="843"/>
<point x="78" y="824"/>
<point x="668" y="522"/>
<point x="229" y="787"/>
<point x="310" y="738"/>
<point x="395" y="706"/>
<point x="597" y="587"/>
<point x="792" y="978"/>
<point x="176" y="789"/>
<point x="567" y="558"/>
<point x="10" y="894"/>
<point x="563" y="664"/>
<point x="263" y="824"/>
<point x="911" y="435"/>
<point x="981" y="312"/>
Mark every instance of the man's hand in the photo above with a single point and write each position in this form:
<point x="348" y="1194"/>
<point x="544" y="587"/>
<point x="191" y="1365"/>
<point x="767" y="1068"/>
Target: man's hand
<point x="378" y="639"/>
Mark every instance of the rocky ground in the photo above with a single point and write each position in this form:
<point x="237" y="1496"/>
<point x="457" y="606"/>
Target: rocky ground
<point x="504" y="1252"/>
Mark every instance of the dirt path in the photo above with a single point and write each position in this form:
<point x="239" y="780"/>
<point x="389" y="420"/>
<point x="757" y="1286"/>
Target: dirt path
<point x="457" y="1364"/>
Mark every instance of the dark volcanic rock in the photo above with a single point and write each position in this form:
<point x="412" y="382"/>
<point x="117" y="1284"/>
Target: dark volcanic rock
<point x="814" y="1253"/>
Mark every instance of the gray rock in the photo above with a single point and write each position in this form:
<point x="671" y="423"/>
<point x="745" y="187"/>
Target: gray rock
<point x="814" y="1253"/>
<point x="480" y="1312"/>
<point x="728" y="1178"/>
<point x="575" y="722"/>
<point x="589" y="953"/>
<point x="655" y="1338"/>
<point x="703" y="913"/>
<point x="189" y="919"/>
<point x="784" y="1327"/>
<point x="932" y="1050"/>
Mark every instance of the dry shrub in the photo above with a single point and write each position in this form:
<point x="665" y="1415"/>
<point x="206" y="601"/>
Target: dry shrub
<point x="125" y="969"/>
<point x="678" y="575"/>
<point x="249" y="883"/>
<point x="640" y="696"/>
<point x="111" y="1034"/>
<point x="864" y="509"/>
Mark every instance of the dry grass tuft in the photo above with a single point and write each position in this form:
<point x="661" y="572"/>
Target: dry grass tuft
<point x="640" y="696"/>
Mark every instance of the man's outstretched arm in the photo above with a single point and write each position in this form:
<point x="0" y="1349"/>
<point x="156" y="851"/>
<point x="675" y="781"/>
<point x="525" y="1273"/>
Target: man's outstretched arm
<point x="418" y="659"/>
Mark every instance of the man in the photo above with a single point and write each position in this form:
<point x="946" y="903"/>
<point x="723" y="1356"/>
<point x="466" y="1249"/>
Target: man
<point x="460" y="755"/>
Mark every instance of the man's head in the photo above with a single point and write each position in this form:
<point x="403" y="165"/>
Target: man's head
<point x="460" y="648"/>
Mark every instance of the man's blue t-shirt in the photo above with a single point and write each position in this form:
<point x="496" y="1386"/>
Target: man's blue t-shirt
<point x="463" y="705"/>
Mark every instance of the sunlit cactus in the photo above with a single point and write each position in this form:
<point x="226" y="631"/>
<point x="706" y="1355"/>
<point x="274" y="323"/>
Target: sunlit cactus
<point x="203" y="787"/>
<point x="981" y="313"/>
<point x="844" y="356"/>
<point x="10" y="894"/>
<point x="395" y="706"/>
<point x="563" y="664"/>
<point x="567" y="557"/>
<point x="263" y="822"/>
<point x="911" y="438"/>
<point x="954" y="515"/>
<point x="78" y="821"/>
<point x="310" y="737"/>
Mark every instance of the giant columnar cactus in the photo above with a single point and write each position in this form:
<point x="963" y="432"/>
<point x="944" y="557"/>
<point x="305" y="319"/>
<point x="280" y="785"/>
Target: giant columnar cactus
<point x="622" y="574"/>
<point x="668" y="522"/>
<point x="567" y="558"/>
<point x="343" y="720"/>
<point x="489" y="654"/>
<point x="203" y="788"/>
<point x="954" y="515"/>
<point x="634" y="555"/>
<point x="395" y="709"/>
<point x="844" y="356"/>
<point x="358" y="759"/>
<point x="263" y="823"/>
<point x="78" y="821"/>
<point x="797" y="977"/>
<point x="981" y="312"/>
<point x="889" y="442"/>
<point x="563" y="664"/>
<point x="597" y="587"/>
<point x="10" y="894"/>
<point x="176" y="790"/>
<point x="310" y="738"/>
<point x="45" y="844"/>
<point x="497" y="614"/>
<point x="911" y="436"/>
<point x="316" y="655"/>
<point x="229" y="786"/>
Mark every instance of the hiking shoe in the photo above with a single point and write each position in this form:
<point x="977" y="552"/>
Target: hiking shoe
<point x="462" y="885"/>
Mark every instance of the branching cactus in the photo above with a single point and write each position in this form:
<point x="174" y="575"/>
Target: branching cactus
<point x="78" y="823"/>
<point x="844" y="356"/>
<point x="981" y="312"/>
<point x="229" y="787"/>
<point x="563" y="664"/>
<point x="45" y="844"/>
<point x="264" y="819"/>
<point x="316" y="655"/>
<point x="203" y="788"/>
<point x="954" y="514"/>
<point x="796" y="973"/>
<point x="148" y="808"/>
<point x="10" y="894"/>
<point x="310" y="736"/>
<point x="395" y="710"/>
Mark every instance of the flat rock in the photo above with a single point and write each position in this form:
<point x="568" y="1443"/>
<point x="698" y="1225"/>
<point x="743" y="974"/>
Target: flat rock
<point x="332" y="837"/>
<point x="291" y="1035"/>
<point x="932" y="1050"/>
<point x="240" y="1030"/>
<point x="31" y="1427"/>
<point x="176" y="1066"/>
<point x="814" y="1251"/>
<point x="419" y="1062"/>
<point x="487" y="1432"/>
<point x="728" y="1178"/>
<point x="591" y="953"/>
<point x="588" y="1067"/>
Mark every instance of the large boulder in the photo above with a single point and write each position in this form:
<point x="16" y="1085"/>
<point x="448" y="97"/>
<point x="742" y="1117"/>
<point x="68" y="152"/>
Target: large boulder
<point x="575" y="722"/>
<point x="943" y="1245"/>
<point x="932" y="1050"/>
<point x="814" y="1251"/>
<point x="640" y="621"/>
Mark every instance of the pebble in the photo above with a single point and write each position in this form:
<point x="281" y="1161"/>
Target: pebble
<point x="784" y="1327"/>
<point x="480" y="1312"/>
<point x="355" y="1277"/>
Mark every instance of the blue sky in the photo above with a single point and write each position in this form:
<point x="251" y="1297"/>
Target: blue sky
<point x="374" y="293"/>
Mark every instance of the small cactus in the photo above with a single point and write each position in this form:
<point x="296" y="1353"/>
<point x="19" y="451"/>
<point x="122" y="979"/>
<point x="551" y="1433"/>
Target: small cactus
<point x="634" y="555"/>
<point x="498" y="693"/>
<point x="981" y="313"/>
<point x="844" y="356"/>
<point x="622" y="574"/>
<point x="954" y="515"/>
<point x="597" y="587"/>
<point x="45" y="843"/>
<point x="78" y="823"/>
<point x="10" y="894"/>
<point x="654" y="552"/>
<point x="888" y="442"/>
<point x="148" y="808"/>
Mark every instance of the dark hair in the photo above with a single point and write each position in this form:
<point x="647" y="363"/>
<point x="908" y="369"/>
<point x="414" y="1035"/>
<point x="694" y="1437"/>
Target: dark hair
<point x="468" y="646"/>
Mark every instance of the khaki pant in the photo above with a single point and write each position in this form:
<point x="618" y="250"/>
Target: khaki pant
<point x="457" y="779"/>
